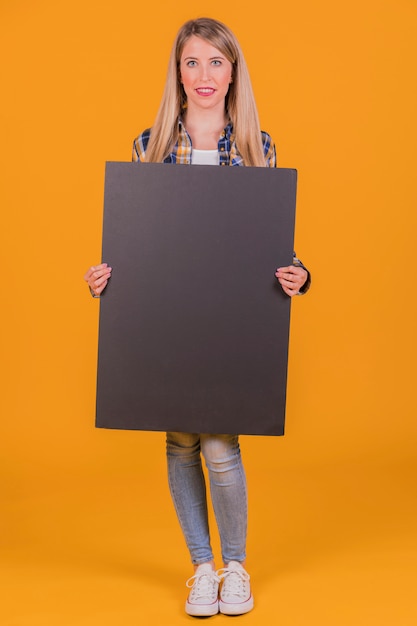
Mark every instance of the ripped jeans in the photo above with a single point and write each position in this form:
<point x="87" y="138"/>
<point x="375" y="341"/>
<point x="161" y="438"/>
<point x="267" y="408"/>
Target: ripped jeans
<point x="227" y="489"/>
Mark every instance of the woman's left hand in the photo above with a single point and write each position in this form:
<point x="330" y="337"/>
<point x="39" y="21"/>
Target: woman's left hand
<point x="291" y="278"/>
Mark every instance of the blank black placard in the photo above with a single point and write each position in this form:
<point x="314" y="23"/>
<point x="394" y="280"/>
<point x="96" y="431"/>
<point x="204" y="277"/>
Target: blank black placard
<point x="193" y="324"/>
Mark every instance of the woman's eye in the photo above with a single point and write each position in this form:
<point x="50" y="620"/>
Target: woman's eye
<point x="192" y="63"/>
<point x="216" y="62"/>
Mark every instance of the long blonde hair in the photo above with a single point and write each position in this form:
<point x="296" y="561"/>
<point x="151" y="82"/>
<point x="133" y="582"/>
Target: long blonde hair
<point x="240" y="101"/>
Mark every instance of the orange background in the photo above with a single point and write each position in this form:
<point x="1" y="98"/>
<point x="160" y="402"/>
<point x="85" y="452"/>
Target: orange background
<point x="88" y="530"/>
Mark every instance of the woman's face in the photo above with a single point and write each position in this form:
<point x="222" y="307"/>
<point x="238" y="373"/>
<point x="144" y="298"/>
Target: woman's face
<point x="205" y="74"/>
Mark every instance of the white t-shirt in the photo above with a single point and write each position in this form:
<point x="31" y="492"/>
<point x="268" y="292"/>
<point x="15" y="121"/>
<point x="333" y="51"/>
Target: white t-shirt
<point x="205" y="157"/>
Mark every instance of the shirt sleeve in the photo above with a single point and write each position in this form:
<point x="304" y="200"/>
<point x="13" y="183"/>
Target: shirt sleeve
<point x="139" y="146"/>
<point x="269" y="150"/>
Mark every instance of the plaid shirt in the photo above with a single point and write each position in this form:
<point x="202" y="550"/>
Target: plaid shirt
<point x="182" y="151"/>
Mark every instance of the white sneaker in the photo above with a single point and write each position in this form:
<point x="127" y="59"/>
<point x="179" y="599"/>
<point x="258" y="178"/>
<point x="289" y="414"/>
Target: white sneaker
<point x="203" y="599"/>
<point x="235" y="593"/>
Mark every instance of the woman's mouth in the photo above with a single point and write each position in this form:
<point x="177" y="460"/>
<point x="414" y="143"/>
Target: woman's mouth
<point x="205" y="91"/>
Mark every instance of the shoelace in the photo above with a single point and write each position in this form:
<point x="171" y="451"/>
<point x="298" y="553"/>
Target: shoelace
<point x="234" y="581"/>
<point x="203" y="585"/>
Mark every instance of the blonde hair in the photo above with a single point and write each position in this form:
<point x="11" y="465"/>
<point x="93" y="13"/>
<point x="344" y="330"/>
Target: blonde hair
<point x="240" y="101"/>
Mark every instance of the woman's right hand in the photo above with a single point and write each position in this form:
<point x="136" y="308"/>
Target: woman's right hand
<point x="97" y="277"/>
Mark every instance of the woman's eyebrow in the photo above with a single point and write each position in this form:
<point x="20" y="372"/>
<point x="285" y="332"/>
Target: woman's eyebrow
<point x="195" y="58"/>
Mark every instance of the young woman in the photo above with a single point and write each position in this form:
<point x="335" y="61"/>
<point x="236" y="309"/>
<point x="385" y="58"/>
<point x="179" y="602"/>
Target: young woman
<point x="208" y="116"/>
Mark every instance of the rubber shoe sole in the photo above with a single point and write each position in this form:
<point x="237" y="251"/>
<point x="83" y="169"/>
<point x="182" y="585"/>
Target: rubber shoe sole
<point x="202" y="610"/>
<point x="238" y="608"/>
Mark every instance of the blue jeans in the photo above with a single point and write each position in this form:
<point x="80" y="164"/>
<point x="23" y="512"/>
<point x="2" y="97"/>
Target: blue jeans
<point x="227" y="489"/>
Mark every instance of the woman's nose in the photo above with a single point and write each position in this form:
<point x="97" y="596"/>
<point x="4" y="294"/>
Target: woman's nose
<point x="204" y="71"/>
